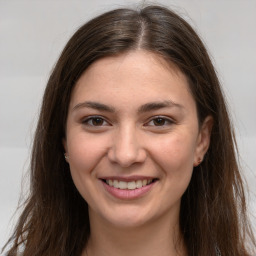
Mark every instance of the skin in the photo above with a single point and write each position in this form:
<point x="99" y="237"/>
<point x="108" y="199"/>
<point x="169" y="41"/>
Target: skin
<point x="164" y="142"/>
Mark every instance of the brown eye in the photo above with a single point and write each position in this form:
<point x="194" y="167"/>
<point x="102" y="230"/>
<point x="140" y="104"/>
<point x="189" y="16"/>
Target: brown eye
<point x="97" y="121"/>
<point x="159" y="121"/>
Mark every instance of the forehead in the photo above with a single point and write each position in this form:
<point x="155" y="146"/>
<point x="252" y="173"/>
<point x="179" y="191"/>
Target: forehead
<point x="132" y="78"/>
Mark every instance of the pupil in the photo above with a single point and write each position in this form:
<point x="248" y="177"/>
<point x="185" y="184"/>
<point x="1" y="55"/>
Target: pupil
<point x="159" y="121"/>
<point x="97" y="121"/>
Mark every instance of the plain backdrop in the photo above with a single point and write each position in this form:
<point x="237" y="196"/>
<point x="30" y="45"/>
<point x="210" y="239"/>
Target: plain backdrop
<point x="32" y="35"/>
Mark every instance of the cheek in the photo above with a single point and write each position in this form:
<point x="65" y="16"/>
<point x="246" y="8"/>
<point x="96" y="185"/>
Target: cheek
<point x="175" y="154"/>
<point x="85" y="152"/>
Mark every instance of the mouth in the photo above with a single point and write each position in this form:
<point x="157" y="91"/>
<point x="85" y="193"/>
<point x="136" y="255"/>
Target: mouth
<point x="130" y="185"/>
<point x="128" y="188"/>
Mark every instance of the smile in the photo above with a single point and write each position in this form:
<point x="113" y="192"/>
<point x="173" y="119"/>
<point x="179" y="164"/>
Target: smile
<point x="129" y="185"/>
<point x="128" y="188"/>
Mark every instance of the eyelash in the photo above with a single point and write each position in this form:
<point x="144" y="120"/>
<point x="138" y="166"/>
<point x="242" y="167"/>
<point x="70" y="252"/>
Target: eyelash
<point x="167" y="121"/>
<point x="89" y="121"/>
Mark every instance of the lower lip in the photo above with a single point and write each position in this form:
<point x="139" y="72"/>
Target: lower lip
<point x="128" y="194"/>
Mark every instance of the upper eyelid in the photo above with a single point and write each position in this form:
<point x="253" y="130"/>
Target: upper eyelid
<point x="163" y="117"/>
<point x="88" y="118"/>
<point x="84" y="119"/>
<point x="169" y="121"/>
<point x="93" y="116"/>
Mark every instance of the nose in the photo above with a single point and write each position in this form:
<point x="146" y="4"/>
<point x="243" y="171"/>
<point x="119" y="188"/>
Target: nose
<point x="126" y="148"/>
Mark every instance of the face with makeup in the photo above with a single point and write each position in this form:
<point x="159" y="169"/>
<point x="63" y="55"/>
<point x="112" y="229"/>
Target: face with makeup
<point x="132" y="139"/>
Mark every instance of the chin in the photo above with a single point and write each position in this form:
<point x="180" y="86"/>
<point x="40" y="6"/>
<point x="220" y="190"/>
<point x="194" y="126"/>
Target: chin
<point x="127" y="222"/>
<point x="128" y="217"/>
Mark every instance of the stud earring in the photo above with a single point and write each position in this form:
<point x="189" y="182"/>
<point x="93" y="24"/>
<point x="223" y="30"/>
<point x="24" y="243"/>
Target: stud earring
<point x="66" y="157"/>
<point x="198" y="162"/>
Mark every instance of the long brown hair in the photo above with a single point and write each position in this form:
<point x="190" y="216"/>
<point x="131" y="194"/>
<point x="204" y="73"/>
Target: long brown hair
<point x="213" y="209"/>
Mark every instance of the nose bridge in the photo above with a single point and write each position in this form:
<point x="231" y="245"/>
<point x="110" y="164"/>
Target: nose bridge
<point x="126" y="148"/>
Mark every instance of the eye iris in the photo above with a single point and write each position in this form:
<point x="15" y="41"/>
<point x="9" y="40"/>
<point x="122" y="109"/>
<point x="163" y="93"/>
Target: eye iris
<point x="159" y="121"/>
<point x="97" y="121"/>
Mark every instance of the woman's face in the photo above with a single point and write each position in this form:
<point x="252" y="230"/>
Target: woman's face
<point x="132" y="138"/>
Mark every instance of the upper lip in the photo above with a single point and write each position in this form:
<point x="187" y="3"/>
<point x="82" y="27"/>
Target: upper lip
<point x="128" y="178"/>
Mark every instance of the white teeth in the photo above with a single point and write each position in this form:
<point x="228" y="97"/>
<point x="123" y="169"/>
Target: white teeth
<point x="128" y="185"/>
<point x="123" y="185"/>
<point x="131" y="185"/>
<point x="144" y="183"/>
<point x="115" y="184"/>
<point x="138" y="184"/>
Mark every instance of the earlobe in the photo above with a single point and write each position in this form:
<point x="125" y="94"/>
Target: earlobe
<point x="66" y="157"/>
<point x="199" y="161"/>
<point x="203" y="141"/>
<point x="64" y="143"/>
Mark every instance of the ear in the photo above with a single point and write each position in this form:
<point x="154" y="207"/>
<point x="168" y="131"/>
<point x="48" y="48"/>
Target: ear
<point x="64" y="143"/>
<point x="203" y="140"/>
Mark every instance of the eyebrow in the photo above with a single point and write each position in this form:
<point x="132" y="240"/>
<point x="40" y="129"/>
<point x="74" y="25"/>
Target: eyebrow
<point x="94" y="105"/>
<point x="142" y="109"/>
<point x="158" y="105"/>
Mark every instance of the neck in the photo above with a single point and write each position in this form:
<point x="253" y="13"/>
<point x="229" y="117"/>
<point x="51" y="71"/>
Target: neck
<point x="161" y="237"/>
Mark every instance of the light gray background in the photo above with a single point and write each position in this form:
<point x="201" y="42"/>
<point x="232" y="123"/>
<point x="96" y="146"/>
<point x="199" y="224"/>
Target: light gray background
<point x="32" y="34"/>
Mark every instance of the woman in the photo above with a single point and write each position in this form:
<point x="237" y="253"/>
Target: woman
<point x="134" y="151"/>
